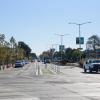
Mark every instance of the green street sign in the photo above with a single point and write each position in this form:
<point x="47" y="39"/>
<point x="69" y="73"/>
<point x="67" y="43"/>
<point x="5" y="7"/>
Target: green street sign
<point x="80" y="41"/>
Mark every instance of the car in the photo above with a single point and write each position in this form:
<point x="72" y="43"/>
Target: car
<point x="46" y="61"/>
<point x="19" y="63"/>
<point x="23" y="61"/>
<point x="91" y="65"/>
<point x="33" y="60"/>
<point x="26" y="62"/>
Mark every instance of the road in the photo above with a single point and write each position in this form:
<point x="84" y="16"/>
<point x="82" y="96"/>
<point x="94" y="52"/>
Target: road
<point x="26" y="83"/>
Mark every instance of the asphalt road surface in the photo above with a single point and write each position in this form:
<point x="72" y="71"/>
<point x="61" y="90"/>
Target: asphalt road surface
<point x="37" y="81"/>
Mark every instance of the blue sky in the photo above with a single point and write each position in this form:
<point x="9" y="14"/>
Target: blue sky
<point x="37" y="21"/>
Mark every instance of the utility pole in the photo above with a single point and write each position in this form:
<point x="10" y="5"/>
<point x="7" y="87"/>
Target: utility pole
<point x="61" y="38"/>
<point x="79" y="25"/>
<point x="54" y="50"/>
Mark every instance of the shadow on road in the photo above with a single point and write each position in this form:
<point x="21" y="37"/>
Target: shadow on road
<point x="90" y="73"/>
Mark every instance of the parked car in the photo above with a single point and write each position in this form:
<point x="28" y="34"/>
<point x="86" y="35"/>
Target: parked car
<point x="23" y="61"/>
<point x="19" y="63"/>
<point x="33" y="60"/>
<point x="91" y="65"/>
<point x="46" y="61"/>
<point x="26" y="62"/>
<point x="38" y="60"/>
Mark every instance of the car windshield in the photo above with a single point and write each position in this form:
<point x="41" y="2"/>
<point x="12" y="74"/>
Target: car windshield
<point x="96" y="61"/>
<point x="18" y="61"/>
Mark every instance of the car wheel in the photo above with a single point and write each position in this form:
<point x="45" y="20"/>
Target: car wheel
<point x="85" y="69"/>
<point x="97" y="71"/>
<point x="90" y="70"/>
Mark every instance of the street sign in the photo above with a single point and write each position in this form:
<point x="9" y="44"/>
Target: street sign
<point x="61" y="47"/>
<point x="80" y="41"/>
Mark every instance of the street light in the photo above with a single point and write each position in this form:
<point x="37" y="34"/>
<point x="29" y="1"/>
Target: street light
<point x="53" y="49"/>
<point x="55" y="46"/>
<point x="79" y="25"/>
<point x="61" y="37"/>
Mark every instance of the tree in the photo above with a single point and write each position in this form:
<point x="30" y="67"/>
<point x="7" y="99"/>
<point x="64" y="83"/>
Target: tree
<point x="68" y="53"/>
<point x="2" y="55"/>
<point x="20" y="54"/>
<point x="13" y="42"/>
<point x="72" y="55"/>
<point x="2" y="37"/>
<point x="33" y="55"/>
<point x="93" y="44"/>
<point x="13" y="49"/>
<point x="75" y="55"/>
<point x="25" y="47"/>
<point x="57" y="55"/>
<point x="6" y="44"/>
<point x="46" y="54"/>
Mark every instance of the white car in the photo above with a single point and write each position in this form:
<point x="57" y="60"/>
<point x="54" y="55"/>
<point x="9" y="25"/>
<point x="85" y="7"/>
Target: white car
<point x="91" y="65"/>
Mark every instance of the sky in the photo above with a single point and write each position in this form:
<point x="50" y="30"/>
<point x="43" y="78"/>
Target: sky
<point x="36" y="22"/>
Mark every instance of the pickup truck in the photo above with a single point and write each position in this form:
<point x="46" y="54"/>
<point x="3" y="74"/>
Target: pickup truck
<point x="91" y="65"/>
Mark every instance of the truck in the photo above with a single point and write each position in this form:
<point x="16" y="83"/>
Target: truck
<point x="91" y="65"/>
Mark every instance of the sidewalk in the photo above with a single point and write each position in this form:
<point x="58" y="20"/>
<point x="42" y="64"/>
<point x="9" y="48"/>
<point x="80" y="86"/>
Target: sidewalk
<point x="5" y="68"/>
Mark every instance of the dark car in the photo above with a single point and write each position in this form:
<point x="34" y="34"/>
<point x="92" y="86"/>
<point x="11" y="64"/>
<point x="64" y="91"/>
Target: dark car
<point x="46" y="61"/>
<point x="18" y="64"/>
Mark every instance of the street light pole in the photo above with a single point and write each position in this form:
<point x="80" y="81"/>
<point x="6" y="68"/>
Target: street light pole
<point x="79" y="25"/>
<point x="79" y="37"/>
<point x="61" y="37"/>
<point x="54" y="50"/>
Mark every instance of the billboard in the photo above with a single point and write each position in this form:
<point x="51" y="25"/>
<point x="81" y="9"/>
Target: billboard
<point x="80" y="41"/>
<point x="61" y="47"/>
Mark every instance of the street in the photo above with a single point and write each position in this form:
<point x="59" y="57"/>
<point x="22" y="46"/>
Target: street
<point x="37" y="81"/>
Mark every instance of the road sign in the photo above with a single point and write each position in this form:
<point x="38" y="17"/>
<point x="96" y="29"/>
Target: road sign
<point x="80" y="41"/>
<point x="61" y="47"/>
